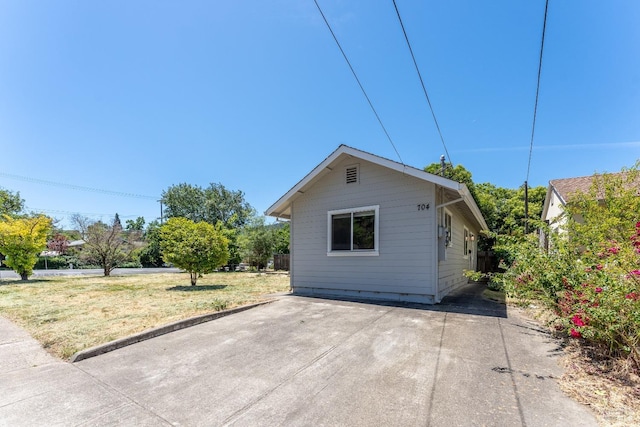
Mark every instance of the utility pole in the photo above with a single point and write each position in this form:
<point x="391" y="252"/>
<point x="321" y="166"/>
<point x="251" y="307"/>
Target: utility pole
<point x="526" y="208"/>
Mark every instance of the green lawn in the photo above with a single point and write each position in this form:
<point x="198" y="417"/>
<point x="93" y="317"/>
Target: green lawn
<point x="68" y="314"/>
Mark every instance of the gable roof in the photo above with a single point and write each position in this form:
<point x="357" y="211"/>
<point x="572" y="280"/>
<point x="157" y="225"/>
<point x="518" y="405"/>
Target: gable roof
<point x="282" y="208"/>
<point x="565" y="188"/>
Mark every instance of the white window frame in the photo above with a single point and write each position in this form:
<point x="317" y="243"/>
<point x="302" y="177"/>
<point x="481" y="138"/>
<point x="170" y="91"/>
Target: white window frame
<point x="356" y="252"/>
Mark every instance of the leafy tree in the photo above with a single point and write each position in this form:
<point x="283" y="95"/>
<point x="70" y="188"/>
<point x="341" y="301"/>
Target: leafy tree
<point x="212" y="204"/>
<point x="456" y="173"/>
<point x="197" y="248"/>
<point x="608" y="211"/>
<point x="151" y="254"/>
<point x="281" y="237"/>
<point x="135" y="225"/>
<point x="10" y="203"/>
<point x="503" y="208"/>
<point x="21" y="240"/>
<point x="257" y="243"/>
<point x="105" y="245"/>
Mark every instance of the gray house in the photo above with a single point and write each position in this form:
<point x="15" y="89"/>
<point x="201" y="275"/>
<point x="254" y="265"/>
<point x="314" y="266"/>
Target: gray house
<point x="367" y="227"/>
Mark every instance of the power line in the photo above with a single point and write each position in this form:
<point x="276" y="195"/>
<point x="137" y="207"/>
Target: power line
<point x="77" y="187"/>
<point x="358" y="80"/>
<point x="424" y="89"/>
<point x="90" y="214"/>
<point x="535" y="108"/>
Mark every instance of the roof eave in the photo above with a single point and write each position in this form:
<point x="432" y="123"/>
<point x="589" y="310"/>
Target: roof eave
<point x="279" y="209"/>
<point x="473" y="206"/>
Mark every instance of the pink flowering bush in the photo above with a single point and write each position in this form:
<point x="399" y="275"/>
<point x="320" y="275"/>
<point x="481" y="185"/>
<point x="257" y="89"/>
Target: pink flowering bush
<point x="591" y="275"/>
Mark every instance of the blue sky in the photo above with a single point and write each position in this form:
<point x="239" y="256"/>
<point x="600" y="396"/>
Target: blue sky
<point x="133" y="97"/>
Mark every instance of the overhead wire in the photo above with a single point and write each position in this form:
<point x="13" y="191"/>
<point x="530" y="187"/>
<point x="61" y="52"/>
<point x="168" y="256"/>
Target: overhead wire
<point x="358" y="81"/>
<point x="424" y="89"/>
<point x="535" y="108"/>
<point x="77" y="187"/>
<point x="63" y="212"/>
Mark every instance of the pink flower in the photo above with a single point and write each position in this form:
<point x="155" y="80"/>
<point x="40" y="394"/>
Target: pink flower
<point x="633" y="296"/>
<point x="599" y="267"/>
<point x="613" y="250"/>
<point x="577" y="320"/>
<point x="598" y="290"/>
<point x="588" y="269"/>
<point x="635" y="272"/>
<point x="575" y="334"/>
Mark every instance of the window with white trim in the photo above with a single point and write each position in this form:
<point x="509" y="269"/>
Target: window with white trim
<point x="353" y="231"/>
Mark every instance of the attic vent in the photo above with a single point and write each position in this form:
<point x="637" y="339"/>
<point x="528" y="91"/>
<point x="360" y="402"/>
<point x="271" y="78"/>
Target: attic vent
<point x="352" y="174"/>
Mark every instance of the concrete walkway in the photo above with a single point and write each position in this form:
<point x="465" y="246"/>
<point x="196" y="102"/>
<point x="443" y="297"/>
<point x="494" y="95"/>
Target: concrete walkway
<point x="303" y="361"/>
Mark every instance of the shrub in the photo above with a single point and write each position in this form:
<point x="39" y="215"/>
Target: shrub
<point x="591" y="276"/>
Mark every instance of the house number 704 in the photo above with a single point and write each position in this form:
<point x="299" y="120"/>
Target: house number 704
<point x="423" y="206"/>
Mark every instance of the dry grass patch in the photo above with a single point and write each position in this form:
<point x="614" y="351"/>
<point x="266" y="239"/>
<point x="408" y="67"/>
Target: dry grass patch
<point x="69" y="314"/>
<point x="610" y="387"/>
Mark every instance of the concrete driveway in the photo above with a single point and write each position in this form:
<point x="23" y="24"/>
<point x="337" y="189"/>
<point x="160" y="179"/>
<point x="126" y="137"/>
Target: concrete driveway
<point x="303" y="361"/>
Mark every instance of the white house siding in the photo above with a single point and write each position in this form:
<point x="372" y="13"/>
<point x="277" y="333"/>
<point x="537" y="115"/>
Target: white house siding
<point x="554" y="211"/>
<point x="450" y="270"/>
<point x="404" y="268"/>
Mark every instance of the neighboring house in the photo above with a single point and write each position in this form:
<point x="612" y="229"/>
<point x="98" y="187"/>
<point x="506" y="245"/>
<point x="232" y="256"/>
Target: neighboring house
<point x="559" y="194"/>
<point x="364" y="226"/>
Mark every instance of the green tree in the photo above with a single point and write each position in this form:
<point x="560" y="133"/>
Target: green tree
<point x="151" y="254"/>
<point x="21" y="240"/>
<point x="197" y="248"/>
<point x="135" y="225"/>
<point x="607" y="212"/>
<point x="504" y="208"/>
<point x="105" y="245"/>
<point x="281" y="237"/>
<point x="456" y="173"/>
<point x="10" y="203"/>
<point x="257" y="243"/>
<point x="211" y="204"/>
